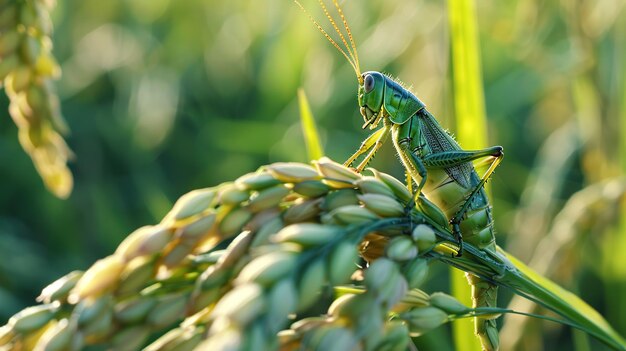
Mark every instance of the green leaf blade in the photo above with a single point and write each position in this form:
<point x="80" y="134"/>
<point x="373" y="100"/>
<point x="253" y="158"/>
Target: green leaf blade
<point x="563" y="302"/>
<point x="470" y="128"/>
<point x="309" y="129"/>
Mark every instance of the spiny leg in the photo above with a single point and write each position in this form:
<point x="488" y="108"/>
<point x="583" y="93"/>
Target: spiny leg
<point x="365" y="145"/>
<point x="415" y="170"/>
<point x="457" y="157"/>
<point x="413" y="165"/>
<point x="486" y="162"/>
<point x="498" y="154"/>
<point x="409" y="182"/>
<point x="447" y="159"/>
<point x="379" y="142"/>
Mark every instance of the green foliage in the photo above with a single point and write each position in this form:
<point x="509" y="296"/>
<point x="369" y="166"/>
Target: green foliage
<point x="309" y="129"/>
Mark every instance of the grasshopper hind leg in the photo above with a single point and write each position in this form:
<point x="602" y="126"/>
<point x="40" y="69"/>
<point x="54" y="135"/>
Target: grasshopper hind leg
<point x="495" y="152"/>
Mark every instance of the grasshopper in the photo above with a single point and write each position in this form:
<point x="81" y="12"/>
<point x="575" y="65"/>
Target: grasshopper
<point x="443" y="172"/>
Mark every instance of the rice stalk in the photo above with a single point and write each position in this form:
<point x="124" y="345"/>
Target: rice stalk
<point x="27" y="69"/>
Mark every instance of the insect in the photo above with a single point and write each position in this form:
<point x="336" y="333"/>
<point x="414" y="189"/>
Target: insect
<point x="443" y="172"/>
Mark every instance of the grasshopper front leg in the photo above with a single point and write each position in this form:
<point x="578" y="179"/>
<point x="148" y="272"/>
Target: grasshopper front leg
<point x="374" y="142"/>
<point x="415" y="168"/>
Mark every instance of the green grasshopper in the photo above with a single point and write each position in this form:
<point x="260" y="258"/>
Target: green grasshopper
<point x="443" y="171"/>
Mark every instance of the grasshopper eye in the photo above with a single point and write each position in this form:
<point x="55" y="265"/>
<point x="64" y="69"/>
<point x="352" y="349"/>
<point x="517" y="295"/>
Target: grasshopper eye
<point x="368" y="85"/>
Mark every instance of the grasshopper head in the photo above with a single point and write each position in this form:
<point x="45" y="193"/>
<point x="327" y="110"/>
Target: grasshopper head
<point x="371" y="96"/>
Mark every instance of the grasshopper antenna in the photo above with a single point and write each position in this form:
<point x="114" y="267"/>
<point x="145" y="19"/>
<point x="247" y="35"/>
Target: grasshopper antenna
<point x="352" y="59"/>
<point x="352" y="43"/>
<point x="353" y="55"/>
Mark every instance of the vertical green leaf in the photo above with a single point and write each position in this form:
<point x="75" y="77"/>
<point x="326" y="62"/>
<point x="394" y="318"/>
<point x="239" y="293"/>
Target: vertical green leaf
<point x="621" y="36"/>
<point x="617" y="261"/>
<point x="309" y="129"/>
<point x="471" y="124"/>
<point x="470" y="128"/>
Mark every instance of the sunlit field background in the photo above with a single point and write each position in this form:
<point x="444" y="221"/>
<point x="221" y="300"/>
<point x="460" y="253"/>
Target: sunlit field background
<point x="163" y="97"/>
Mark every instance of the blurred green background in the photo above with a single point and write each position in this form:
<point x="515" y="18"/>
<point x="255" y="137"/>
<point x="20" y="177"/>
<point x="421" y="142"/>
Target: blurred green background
<point x="163" y="97"/>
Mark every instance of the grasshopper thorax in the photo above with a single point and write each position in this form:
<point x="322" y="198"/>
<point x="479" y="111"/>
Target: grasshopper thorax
<point x="380" y="95"/>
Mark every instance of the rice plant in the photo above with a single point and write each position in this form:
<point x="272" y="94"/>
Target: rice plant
<point x="244" y="264"/>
